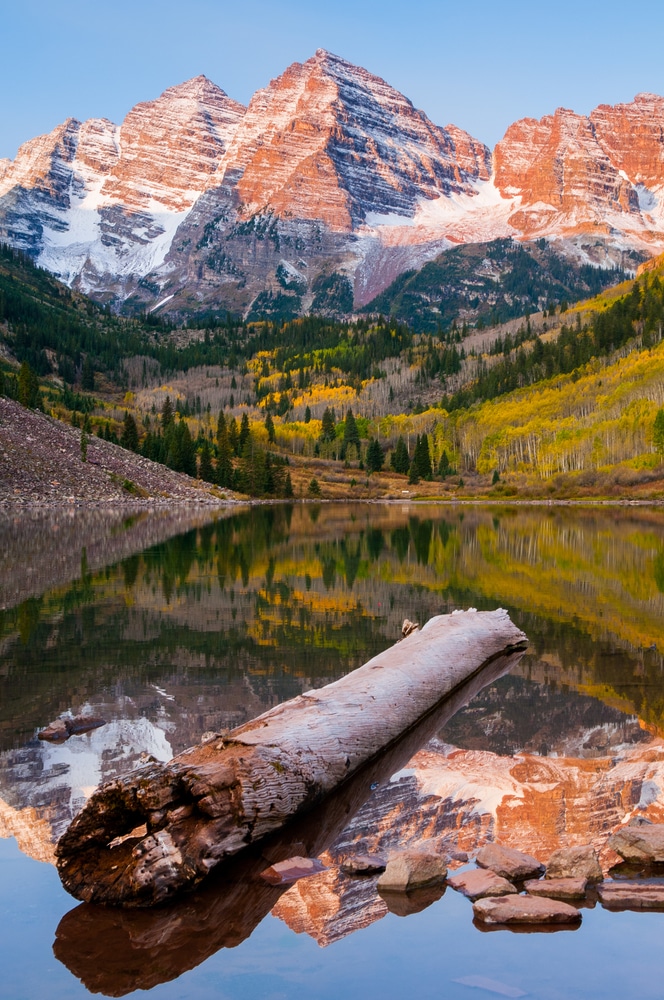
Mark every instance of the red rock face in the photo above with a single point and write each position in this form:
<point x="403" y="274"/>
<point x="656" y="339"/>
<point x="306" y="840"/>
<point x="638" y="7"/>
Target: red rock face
<point x="43" y="164"/>
<point x="168" y="148"/>
<point x="562" y="173"/>
<point x="633" y="136"/>
<point x="578" y="174"/>
<point x="341" y="165"/>
<point x="328" y="140"/>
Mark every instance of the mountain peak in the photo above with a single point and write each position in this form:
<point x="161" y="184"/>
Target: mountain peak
<point x="328" y="140"/>
<point x="197" y="88"/>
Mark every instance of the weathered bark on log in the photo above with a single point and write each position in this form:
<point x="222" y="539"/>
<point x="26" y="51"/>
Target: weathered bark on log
<point x="117" y="951"/>
<point x="213" y="800"/>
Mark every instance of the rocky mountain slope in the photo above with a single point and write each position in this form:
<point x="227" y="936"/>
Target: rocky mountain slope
<point x="41" y="462"/>
<point x="329" y="179"/>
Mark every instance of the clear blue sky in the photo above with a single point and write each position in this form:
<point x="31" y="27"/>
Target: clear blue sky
<point x="478" y="64"/>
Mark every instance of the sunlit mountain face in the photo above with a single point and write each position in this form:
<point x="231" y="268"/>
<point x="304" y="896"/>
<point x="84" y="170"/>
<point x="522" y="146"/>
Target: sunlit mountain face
<point x="321" y="192"/>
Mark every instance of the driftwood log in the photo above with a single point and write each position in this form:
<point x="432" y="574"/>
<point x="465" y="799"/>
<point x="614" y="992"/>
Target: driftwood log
<point x="116" y="951"/>
<point x="143" y="838"/>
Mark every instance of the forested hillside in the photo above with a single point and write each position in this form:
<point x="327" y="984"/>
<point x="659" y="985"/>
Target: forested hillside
<point x="489" y="283"/>
<point x="314" y="406"/>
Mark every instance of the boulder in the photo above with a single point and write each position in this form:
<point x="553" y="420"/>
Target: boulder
<point x="412" y="869"/>
<point x="363" y="864"/>
<point x="509" y="863"/>
<point x="557" y="888"/>
<point x="292" y="869"/>
<point x="575" y="862"/>
<point x="640" y="843"/>
<point x="480" y="882"/>
<point x="634" y="895"/>
<point x="524" y="910"/>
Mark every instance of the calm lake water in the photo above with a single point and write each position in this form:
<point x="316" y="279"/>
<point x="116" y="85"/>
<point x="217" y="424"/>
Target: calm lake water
<point x="169" y="625"/>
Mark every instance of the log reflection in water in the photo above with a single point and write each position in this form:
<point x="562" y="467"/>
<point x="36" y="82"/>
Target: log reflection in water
<point x="115" y="951"/>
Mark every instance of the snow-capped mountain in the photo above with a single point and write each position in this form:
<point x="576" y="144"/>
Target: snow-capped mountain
<point x="99" y="204"/>
<point x="330" y="178"/>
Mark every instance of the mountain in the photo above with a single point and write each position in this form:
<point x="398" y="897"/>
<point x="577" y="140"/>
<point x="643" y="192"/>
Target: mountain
<point x="319" y="194"/>
<point x="97" y="204"/>
<point x="489" y="282"/>
<point x="593" y="179"/>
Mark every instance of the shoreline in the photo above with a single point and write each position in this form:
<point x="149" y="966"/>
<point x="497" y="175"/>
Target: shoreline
<point x="213" y="503"/>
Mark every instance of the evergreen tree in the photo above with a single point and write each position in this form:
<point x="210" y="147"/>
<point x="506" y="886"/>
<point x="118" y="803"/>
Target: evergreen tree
<point x="399" y="460"/>
<point x="181" y="449"/>
<point x="245" y="433"/>
<point x="422" y="457"/>
<point x="375" y="456"/>
<point x="129" y="437"/>
<point x="88" y="375"/>
<point x="166" y="414"/>
<point x="307" y="415"/>
<point x="269" y="478"/>
<point x="328" y="429"/>
<point x="224" y="453"/>
<point x="28" y="388"/>
<point x="658" y="433"/>
<point x="269" y="427"/>
<point x="205" y="470"/>
<point x="288" y="487"/>
<point x="250" y="476"/>
<point x="444" y="467"/>
<point x="233" y="435"/>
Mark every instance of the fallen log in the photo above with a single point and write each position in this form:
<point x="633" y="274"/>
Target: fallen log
<point x="117" y="951"/>
<point x="145" y="837"/>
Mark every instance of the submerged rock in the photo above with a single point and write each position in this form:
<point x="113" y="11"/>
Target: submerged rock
<point x="640" y="843"/>
<point x="412" y="869"/>
<point x="632" y="895"/>
<point x="479" y="882"/>
<point x="557" y="888"/>
<point x="509" y="863"/>
<point x="363" y="864"/>
<point x="525" y="910"/>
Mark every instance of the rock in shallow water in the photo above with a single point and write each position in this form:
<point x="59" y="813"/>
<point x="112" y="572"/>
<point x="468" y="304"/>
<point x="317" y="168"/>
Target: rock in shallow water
<point x="363" y="864"/>
<point x="525" y="910"/>
<point x="575" y="862"/>
<point x="412" y="869"/>
<point x="509" y="863"/>
<point x="632" y="895"/>
<point x="639" y="843"/>
<point x="557" y="888"/>
<point x="480" y="882"/>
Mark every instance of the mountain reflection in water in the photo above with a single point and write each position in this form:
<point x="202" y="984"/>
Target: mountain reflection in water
<point x="116" y="951"/>
<point x="171" y="626"/>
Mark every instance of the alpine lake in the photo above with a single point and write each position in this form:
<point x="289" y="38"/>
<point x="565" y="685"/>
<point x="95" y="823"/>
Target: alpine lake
<point x="168" y="624"/>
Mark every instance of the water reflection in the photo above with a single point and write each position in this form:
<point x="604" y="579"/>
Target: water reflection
<point x="117" y="951"/>
<point x="168" y="628"/>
